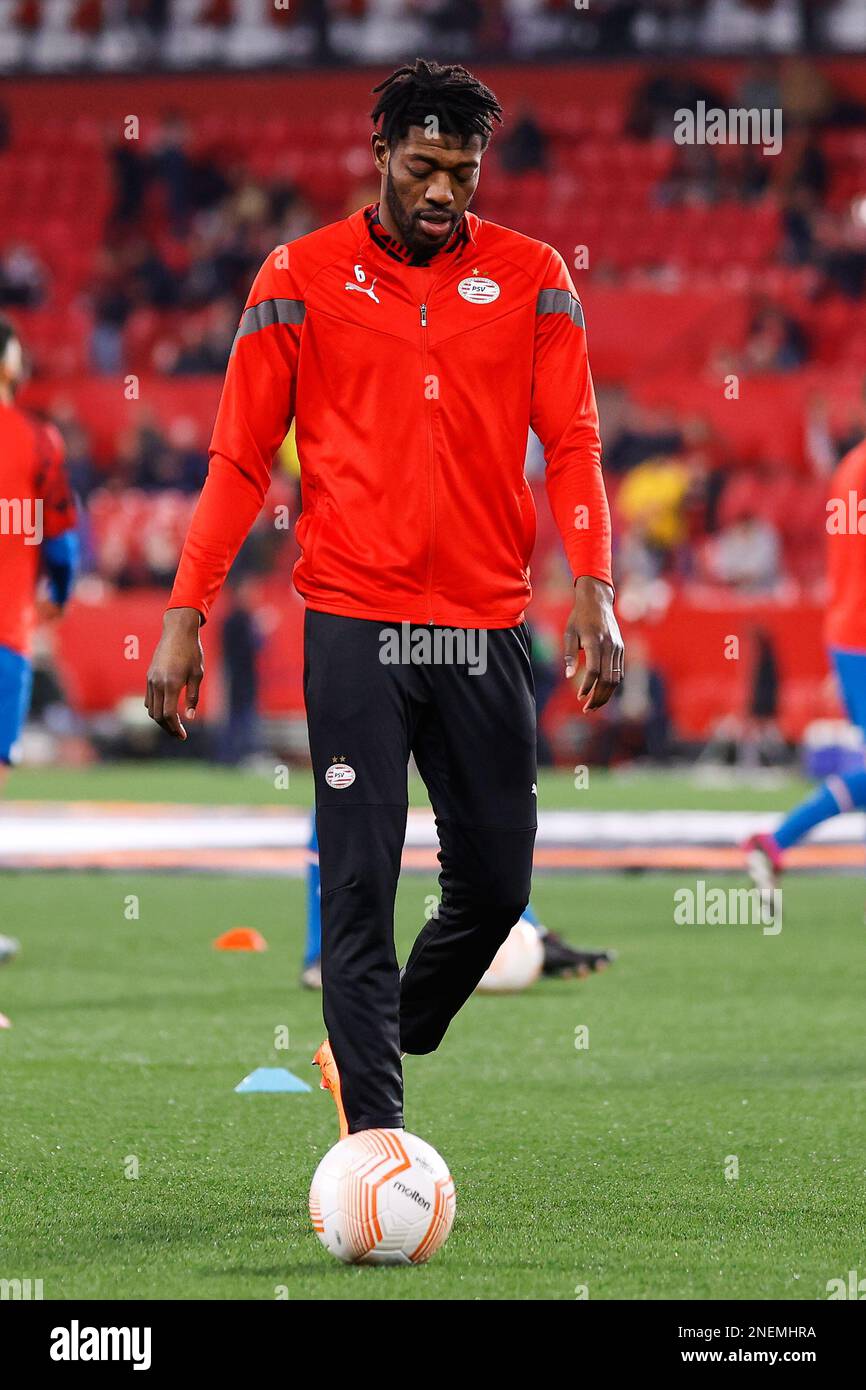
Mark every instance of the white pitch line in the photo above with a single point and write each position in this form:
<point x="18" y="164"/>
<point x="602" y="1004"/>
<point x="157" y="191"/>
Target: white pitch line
<point x="54" y="832"/>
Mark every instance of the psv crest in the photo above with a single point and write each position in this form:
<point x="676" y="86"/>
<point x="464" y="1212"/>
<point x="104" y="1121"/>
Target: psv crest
<point x="478" y="289"/>
<point x="339" y="775"/>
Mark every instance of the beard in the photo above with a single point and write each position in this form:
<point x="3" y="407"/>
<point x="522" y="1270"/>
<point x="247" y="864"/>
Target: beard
<point x="410" y="234"/>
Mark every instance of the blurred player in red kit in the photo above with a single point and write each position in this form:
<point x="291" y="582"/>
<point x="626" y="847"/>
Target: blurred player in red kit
<point x="845" y="635"/>
<point x="37" y="536"/>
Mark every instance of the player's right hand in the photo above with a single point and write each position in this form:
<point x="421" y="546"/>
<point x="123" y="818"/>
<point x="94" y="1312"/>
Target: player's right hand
<point x="177" y="666"/>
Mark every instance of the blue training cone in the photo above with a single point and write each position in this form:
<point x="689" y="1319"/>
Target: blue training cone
<point x="271" y="1079"/>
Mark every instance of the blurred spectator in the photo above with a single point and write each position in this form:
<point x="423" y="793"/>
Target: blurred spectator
<point x="22" y="278"/>
<point x="152" y="15"/>
<point x="819" y="444"/>
<point x="706" y="459"/>
<point x="546" y="673"/>
<point x="242" y="641"/>
<point x="659" y="96"/>
<point x="761" y="740"/>
<point x="149" y="277"/>
<point x="759" y="87"/>
<point x="775" y="341"/>
<point x="807" y="96"/>
<point x="171" y="168"/>
<point x="111" y="306"/>
<point x="811" y="13"/>
<point x="205" y="342"/>
<point x="524" y="147"/>
<point x="694" y="176"/>
<point x="190" y="466"/>
<point x="615" y="20"/>
<point x="748" y="176"/>
<point x="764" y="702"/>
<point x="839" y="249"/>
<point x="455" y="22"/>
<point x="635" y="723"/>
<point x="641" y="434"/>
<point x="746" y="555"/>
<point x="651" y="501"/>
<point x="83" y="475"/>
<point x="797" y="217"/>
<point x="804" y="165"/>
<point x="130" y="171"/>
<point x="317" y="14"/>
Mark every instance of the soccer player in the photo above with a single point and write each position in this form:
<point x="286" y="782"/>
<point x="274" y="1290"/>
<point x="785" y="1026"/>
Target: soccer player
<point x="37" y="535"/>
<point x="414" y="344"/>
<point x="845" y="632"/>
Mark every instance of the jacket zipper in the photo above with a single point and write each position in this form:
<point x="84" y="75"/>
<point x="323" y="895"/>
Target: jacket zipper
<point x="430" y="464"/>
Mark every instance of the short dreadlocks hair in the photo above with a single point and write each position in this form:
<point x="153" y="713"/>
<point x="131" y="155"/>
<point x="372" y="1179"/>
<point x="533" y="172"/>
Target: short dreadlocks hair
<point x="462" y="105"/>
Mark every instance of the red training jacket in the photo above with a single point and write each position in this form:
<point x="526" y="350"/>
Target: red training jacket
<point x="413" y="388"/>
<point x="845" y="619"/>
<point x="36" y="504"/>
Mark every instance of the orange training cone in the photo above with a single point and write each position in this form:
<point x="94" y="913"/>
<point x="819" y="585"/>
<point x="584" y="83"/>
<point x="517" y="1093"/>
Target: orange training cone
<point x="241" y="939"/>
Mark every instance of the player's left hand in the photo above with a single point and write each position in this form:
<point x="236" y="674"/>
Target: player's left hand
<point x="592" y="627"/>
<point x="177" y="665"/>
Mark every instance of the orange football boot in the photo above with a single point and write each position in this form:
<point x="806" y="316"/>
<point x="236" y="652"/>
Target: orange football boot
<point x="330" y="1081"/>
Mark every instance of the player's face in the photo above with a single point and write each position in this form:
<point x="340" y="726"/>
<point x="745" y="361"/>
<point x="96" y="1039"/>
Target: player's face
<point x="427" y="185"/>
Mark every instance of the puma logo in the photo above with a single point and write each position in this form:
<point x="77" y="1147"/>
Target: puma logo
<point x="370" y="290"/>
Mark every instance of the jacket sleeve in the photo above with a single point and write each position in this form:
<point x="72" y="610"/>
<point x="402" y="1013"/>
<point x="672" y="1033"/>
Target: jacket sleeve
<point x="60" y="549"/>
<point x="53" y="487"/>
<point x="565" y="418"/>
<point x="255" y="411"/>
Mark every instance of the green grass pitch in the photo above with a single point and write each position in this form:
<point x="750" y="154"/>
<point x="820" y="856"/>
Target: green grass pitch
<point x="601" y="1167"/>
<point x="186" y="779"/>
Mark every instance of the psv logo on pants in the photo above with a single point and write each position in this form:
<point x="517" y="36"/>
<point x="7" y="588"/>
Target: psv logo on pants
<point x="339" y="776"/>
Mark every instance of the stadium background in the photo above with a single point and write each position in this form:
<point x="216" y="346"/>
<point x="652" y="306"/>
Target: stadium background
<point x="124" y="261"/>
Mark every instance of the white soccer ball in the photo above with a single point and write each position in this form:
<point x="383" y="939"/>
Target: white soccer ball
<point x="382" y="1197"/>
<point x="9" y="949"/>
<point x="517" y="963"/>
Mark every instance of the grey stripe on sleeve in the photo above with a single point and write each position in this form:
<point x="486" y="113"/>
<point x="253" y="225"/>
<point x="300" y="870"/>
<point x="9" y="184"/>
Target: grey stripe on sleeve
<point x="269" y="312"/>
<point x="560" y="302"/>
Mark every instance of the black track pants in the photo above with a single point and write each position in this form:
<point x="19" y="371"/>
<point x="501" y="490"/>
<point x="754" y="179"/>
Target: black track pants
<point x="463" y="704"/>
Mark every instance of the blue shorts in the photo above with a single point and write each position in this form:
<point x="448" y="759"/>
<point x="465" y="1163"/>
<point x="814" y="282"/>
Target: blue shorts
<point x="851" y="671"/>
<point x="16" y="683"/>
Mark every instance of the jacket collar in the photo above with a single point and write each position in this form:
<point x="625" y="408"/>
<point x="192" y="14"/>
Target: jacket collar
<point x="464" y="234"/>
